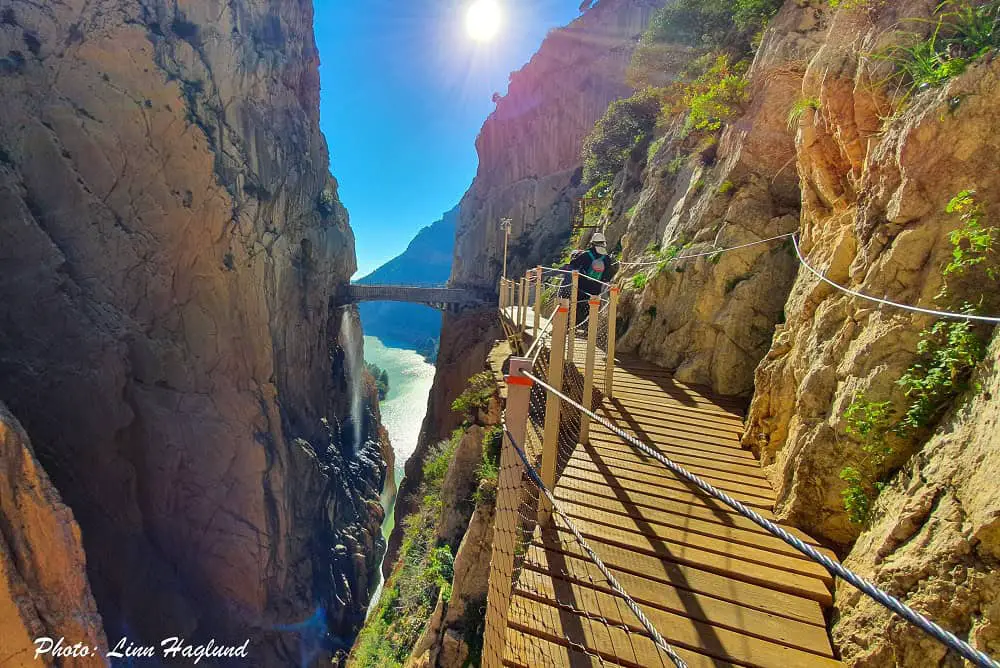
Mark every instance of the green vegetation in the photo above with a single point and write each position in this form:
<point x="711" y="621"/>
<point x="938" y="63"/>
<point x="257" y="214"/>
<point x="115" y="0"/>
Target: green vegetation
<point x="425" y="570"/>
<point x="381" y="378"/>
<point x="488" y="472"/>
<point x="963" y="31"/>
<point x="476" y="395"/>
<point x="626" y="124"/>
<point x="799" y="109"/>
<point x="639" y="281"/>
<point x="716" y="96"/>
<point x="948" y="354"/>
<point x="871" y="424"/>
<point x="726" y="187"/>
<point x="972" y="244"/>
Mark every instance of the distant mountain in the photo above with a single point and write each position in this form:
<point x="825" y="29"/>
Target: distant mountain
<point x="426" y="261"/>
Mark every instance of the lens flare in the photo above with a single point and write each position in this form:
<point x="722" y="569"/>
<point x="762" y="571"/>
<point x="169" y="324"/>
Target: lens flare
<point x="483" y="20"/>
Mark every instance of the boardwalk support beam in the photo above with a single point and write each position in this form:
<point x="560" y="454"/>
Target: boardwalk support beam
<point x="505" y="534"/>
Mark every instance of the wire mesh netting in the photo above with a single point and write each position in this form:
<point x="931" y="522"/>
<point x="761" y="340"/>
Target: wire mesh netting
<point x="563" y="608"/>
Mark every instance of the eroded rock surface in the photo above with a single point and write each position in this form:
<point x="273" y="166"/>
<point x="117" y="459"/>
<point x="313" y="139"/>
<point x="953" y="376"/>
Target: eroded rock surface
<point x="44" y="591"/>
<point x="170" y="238"/>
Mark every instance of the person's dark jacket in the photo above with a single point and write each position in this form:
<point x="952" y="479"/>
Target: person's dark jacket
<point x="583" y="262"/>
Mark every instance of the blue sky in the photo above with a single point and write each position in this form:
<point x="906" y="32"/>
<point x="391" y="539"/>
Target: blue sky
<point x="404" y="93"/>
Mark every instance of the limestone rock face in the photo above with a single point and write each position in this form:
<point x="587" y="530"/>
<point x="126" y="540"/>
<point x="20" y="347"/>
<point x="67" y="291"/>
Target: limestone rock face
<point x="711" y="319"/>
<point x="936" y="544"/>
<point x="44" y="591"/>
<point x="529" y="148"/>
<point x="874" y="220"/>
<point x="170" y="237"/>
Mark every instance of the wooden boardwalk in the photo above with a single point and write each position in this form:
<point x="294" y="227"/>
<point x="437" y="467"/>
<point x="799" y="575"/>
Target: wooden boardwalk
<point x="721" y="590"/>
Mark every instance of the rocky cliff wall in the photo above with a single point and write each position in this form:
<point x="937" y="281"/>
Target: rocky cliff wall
<point x="865" y="177"/>
<point x="711" y="319"/>
<point x="170" y="237"/>
<point x="44" y="591"/>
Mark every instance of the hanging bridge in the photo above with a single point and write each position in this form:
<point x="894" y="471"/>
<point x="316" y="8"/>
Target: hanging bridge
<point x="442" y="298"/>
<point x="632" y="528"/>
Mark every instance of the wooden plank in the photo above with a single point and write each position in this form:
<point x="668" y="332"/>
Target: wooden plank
<point x="696" y="506"/>
<point x="634" y="650"/>
<point x="747" y="533"/>
<point x="607" y="439"/>
<point x="649" y="430"/>
<point x="633" y="462"/>
<point x="691" y="504"/>
<point x="528" y="651"/>
<point x="679" y="630"/>
<point x="613" y="447"/>
<point x="662" y="539"/>
<point x="706" y="469"/>
<point x="809" y="635"/>
<point x="654" y="476"/>
<point x="660" y="486"/>
<point x="630" y="387"/>
<point x="653" y="399"/>
<point x="691" y="578"/>
<point x="678" y="427"/>
<point x="787" y="581"/>
<point x="671" y="413"/>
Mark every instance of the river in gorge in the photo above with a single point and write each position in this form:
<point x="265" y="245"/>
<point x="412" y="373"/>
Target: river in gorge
<point x="403" y="409"/>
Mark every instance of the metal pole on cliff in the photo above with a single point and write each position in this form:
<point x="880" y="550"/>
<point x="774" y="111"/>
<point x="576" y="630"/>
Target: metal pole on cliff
<point x="609" y="363"/>
<point x="505" y="224"/>
<point x="505" y="532"/>
<point x="588" y="369"/>
<point x="553" y="404"/>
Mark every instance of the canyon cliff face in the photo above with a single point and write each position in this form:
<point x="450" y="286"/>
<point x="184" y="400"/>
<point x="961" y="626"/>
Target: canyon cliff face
<point x="170" y="238"/>
<point x="44" y="591"/>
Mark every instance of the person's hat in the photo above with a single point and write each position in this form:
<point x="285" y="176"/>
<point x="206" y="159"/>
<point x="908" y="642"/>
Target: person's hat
<point x="600" y="243"/>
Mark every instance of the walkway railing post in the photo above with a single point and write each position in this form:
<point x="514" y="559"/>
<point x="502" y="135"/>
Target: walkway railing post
<point x="505" y="531"/>
<point x="522" y="305"/>
<point x="503" y="294"/>
<point x="538" y="300"/>
<point x="588" y="371"/>
<point x="573" y="296"/>
<point x="553" y="406"/>
<point x="609" y="363"/>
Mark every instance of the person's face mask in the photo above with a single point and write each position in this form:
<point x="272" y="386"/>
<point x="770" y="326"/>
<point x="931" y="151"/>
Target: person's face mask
<point x="603" y="250"/>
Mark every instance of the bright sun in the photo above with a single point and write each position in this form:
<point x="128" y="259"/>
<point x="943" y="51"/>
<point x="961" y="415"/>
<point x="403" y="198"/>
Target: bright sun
<point x="482" y="20"/>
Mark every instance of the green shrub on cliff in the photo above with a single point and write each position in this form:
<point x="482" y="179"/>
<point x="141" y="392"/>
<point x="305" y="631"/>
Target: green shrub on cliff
<point x="963" y="31"/>
<point x="477" y="394"/>
<point x="625" y="125"/>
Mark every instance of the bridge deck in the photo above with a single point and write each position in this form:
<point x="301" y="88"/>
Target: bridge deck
<point x="721" y="590"/>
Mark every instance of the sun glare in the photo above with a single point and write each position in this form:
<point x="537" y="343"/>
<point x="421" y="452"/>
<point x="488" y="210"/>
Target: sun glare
<point x="483" y="19"/>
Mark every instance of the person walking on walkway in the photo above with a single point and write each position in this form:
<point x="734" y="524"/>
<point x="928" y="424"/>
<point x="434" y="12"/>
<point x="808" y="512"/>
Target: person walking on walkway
<point x="596" y="266"/>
